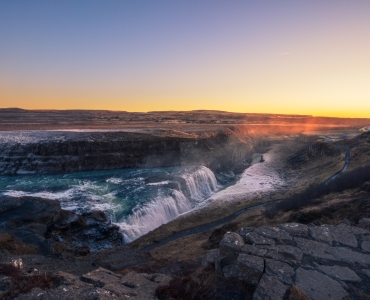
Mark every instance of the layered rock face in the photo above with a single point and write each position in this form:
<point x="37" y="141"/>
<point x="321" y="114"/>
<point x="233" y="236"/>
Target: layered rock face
<point x="323" y="262"/>
<point x="59" y="152"/>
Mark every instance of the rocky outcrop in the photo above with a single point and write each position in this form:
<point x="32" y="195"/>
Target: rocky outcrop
<point x="320" y="261"/>
<point x="98" y="284"/>
<point x="46" y="228"/>
<point x="60" y="152"/>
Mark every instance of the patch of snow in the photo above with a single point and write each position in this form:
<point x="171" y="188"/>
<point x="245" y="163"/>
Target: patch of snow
<point x="24" y="172"/>
<point x="159" y="183"/>
<point x="257" y="180"/>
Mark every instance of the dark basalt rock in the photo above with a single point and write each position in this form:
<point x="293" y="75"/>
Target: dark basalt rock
<point x="44" y="226"/>
<point x="321" y="261"/>
<point x="61" y="152"/>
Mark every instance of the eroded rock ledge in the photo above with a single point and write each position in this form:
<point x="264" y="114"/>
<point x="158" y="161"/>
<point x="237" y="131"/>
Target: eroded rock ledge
<point x="322" y="261"/>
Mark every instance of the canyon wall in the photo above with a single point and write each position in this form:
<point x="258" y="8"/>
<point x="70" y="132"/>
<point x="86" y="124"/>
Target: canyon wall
<point x="23" y="152"/>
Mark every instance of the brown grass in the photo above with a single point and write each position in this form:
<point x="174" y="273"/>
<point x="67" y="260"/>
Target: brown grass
<point x="294" y="293"/>
<point x="23" y="283"/>
<point x="204" y="284"/>
<point x="14" y="246"/>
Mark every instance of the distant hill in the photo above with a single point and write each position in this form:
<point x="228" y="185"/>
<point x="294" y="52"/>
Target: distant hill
<point x="21" y="119"/>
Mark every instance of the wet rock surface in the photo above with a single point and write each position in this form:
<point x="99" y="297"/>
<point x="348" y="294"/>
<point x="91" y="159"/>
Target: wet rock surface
<point x="321" y="261"/>
<point x="41" y="226"/>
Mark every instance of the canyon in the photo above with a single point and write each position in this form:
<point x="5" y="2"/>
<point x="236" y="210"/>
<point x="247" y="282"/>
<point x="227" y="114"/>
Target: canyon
<point x="61" y="181"/>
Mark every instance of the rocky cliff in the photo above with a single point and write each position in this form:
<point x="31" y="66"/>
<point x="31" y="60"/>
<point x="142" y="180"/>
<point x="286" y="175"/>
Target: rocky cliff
<point x="58" y="152"/>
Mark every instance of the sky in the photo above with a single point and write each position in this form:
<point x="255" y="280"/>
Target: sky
<point x="257" y="56"/>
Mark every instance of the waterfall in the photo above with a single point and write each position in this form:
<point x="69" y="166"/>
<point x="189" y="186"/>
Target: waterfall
<point x="199" y="185"/>
<point x="153" y="214"/>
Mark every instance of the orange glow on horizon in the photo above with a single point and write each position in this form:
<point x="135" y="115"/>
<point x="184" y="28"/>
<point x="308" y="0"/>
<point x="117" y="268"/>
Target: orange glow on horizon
<point x="293" y="57"/>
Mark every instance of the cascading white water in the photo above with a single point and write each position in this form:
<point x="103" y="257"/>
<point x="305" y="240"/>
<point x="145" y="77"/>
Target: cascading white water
<point x="137" y="200"/>
<point x="153" y="214"/>
<point x="199" y="184"/>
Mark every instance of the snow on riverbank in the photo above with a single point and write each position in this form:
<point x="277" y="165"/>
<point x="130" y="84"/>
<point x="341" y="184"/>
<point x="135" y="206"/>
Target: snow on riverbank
<point x="257" y="180"/>
<point x="37" y="136"/>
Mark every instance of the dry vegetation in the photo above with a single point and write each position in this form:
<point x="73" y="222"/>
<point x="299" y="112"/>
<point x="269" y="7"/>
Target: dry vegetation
<point x="205" y="284"/>
<point x="22" y="282"/>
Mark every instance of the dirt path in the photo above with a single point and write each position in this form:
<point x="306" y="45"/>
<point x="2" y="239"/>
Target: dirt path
<point x="347" y="160"/>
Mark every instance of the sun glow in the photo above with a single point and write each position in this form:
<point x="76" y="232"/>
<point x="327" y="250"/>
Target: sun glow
<point x="241" y="58"/>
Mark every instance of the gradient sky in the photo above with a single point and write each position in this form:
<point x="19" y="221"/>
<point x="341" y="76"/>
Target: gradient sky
<point x="267" y="56"/>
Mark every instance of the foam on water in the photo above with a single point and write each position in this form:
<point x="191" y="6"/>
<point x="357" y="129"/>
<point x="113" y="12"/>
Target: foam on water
<point x="134" y="205"/>
<point x="153" y="214"/>
<point x="200" y="184"/>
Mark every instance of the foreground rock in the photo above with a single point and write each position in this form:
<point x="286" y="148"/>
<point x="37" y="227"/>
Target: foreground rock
<point x="100" y="284"/>
<point x="46" y="228"/>
<point x="317" y="261"/>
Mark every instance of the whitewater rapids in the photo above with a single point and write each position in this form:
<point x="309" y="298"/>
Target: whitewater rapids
<point x="199" y="185"/>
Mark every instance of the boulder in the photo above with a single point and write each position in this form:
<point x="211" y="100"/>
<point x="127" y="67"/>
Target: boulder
<point x="343" y="234"/>
<point x="270" y="288"/>
<point x="243" y="231"/>
<point x="282" y="271"/>
<point x="319" y="286"/>
<point x="311" y="262"/>
<point x="100" y="277"/>
<point x="284" y="252"/>
<point x="231" y="244"/>
<point x="254" y="250"/>
<point x="254" y="238"/>
<point x="365" y="246"/>
<point x="213" y="257"/>
<point x="366" y="272"/>
<point x="321" y="233"/>
<point x="315" y="249"/>
<point x="364" y="223"/>
<point x="295" y="229"/>
<point x="347" y="255"/>
<point x="360" y="231"/>
<point x="247" y="268"/>
<point x="339" y="273"/>
<point x="275" y="233"/>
